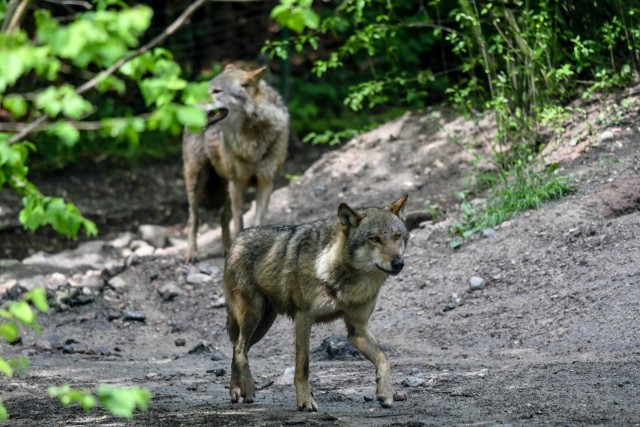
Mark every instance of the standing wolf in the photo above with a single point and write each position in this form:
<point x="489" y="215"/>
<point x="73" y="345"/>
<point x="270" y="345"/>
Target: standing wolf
<point x="314" y="272"/>
<point x="245" y="140"/>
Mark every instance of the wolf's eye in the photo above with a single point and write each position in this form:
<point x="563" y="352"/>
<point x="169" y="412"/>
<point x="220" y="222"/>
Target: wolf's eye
<point x="216" y="91"/>
<point x="375" y="239"/>
<point x="397" y="236"/>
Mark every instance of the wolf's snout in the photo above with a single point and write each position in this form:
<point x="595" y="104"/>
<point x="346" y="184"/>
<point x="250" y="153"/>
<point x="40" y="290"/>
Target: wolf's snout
<point x="396" y="265"/>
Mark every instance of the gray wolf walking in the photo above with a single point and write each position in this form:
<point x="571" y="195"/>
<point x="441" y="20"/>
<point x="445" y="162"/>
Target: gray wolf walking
<point x="245" y="142"/>
<point x="315" y="272"/>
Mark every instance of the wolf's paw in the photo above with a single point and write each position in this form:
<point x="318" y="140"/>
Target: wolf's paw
<point x="191" y="258"/>
<point x="307" y="405"/>
<point x="385" y="401"/>
<point x="235" y="394"/>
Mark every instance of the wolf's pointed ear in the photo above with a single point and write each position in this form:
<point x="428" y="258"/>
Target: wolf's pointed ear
<point x="229" y="67"/>
<point x="396" y="206"/>
<point x="348" y="217"/>
<point x="253" y="76"/>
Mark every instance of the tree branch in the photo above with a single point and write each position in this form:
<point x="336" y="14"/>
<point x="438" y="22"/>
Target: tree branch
<point x="80" y="125"/>
<point x="179" y="22"/>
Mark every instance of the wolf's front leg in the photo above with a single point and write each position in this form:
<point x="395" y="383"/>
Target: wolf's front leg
<point x="303" y="391"/>
<point x="362" y="339"/>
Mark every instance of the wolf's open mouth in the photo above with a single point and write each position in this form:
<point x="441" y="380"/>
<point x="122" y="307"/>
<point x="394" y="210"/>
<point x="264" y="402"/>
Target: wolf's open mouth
<point x="214" y="116"/>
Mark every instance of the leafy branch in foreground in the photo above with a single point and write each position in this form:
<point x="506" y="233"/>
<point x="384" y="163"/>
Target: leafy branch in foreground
<point x="19" y="313"/>
<point x="103" y="40"/>
<point x="119" y="401"/>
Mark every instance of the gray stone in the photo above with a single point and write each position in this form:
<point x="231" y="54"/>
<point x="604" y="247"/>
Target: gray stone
<point x="198" y="279"/>
<point x="208" y="267"/>
<point x="476" y="283"/>
<point x="180" y="342"/>
<point x="119" y="283"/>
<point x="605" y="136"/>
<point x="412" y="381"/>
<point x="155" y="235"/>
<point x="123" y="240"/>
<point x="488" y="232"/>
<point x="220" y="302"/>
<point x="136" y="316"/>
<point x="368" y="398"/>
<point x="319" y="190"/>
<point x="399" y="396"/>
<point x="169" y="291"/>
<point x="92" y="280"/>
<point x="142" y="248"/>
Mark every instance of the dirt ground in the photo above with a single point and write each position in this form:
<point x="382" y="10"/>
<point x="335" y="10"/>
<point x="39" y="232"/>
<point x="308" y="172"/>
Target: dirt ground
<point x="551" y="337"/>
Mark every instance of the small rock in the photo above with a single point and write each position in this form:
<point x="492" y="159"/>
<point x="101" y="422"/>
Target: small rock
<point x="169" y="291"/>
<point x="144" y="250"/>
<point x="192" y="387"/>
<point x="45" y="345"/>
<point x="132" y="315"/>
<point x="219" y="372"/>
<point x="155" y="235"/>
<point x="605" y="136"/>
<point x="448" y="307"/>
<point x="455" y="298"/>
<point x="113" y="315"/>
<point x="399" y="396"/>
<point x="104" y="351"/>
<point x="198" y="279"/>
<point x="57" y="280"/>
<point x="476" y="283"/>
<point x="68" y="349"/>
<point x="118" y="283"/>
<point x="488" y="232"/>
<point x="180" y="342"/>
<point x="412" y="381"/>
<point x="217" y="355"/>
<point x="122" y="241"/>
<point x="220" y="302"/>
<point x="368" y="398"/>
<point x="92" y="280"/>
<point x="151" y="375"/>
<point x="319" y="190"/>
<point x="287" y="376"/>
<point x="207" y="267"/>
<point x="336" y="347"/>
<point x="204" y="347"/>
<point x="131" y="260"/>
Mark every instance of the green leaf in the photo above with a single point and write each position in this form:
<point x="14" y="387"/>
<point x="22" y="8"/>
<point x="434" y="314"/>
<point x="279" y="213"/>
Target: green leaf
<point x="38" y="297"/>
<point x="23" y="312"/>
<point x="16" y="104"/>
<point x="4" y="415"/>
<point x="121" y="402"/>
<point x="192" y="117"/>
<point x="66" y="132"/>
<point x="69" y="396"/>
<point x="9" y="331"/>
<point x="5" y="368"/>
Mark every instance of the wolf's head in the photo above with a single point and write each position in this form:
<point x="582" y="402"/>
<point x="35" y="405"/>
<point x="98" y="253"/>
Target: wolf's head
<point x="375" y="237"/>
<point x="232" y="93"/>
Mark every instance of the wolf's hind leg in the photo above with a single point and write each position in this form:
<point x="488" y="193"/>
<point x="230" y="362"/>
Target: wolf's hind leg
<point x="234" y="332"/>
<point x="248" y="313"/>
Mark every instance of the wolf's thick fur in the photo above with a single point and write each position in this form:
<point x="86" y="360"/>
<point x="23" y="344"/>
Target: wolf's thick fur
<point x="245" y="141"/>
<point x="314" y="272"/>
